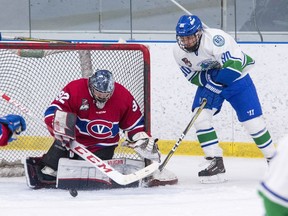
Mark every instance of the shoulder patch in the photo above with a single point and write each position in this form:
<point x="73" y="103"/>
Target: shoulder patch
<point x="218" y="40"/>
<point x="187" y="62"/>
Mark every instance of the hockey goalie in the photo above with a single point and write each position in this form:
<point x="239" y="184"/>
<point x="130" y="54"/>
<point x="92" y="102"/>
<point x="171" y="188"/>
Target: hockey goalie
<point x="92" y="111"/>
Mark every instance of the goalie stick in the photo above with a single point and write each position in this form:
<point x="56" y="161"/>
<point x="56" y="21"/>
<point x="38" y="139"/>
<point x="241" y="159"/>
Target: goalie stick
<point x="204" y="101"/>
<point x="89" y="156"/>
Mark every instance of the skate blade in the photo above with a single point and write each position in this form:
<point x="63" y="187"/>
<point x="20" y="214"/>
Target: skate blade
<point x="215" y="179"/>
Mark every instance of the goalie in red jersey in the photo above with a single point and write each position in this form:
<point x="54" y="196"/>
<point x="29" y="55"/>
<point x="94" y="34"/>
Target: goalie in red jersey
<point x="11" y="126"/>
<point x="102" y="107"/>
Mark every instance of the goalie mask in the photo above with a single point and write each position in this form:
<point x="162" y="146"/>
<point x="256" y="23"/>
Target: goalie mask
<point x="189" y="33"/>
<point x="101" y="85"/>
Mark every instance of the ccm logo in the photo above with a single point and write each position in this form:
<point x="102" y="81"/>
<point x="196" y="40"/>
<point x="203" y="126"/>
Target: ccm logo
<point x="92" y="158"/>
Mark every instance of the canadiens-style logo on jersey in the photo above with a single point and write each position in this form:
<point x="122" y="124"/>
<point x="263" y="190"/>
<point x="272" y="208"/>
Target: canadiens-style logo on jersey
<point x="99" y="129"/>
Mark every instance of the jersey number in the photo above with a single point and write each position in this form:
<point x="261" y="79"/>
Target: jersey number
<point x="134" y="106"/>
<point x="62" y="96"/>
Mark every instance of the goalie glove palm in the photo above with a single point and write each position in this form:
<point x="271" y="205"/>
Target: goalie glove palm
<point x="144" y="145"/>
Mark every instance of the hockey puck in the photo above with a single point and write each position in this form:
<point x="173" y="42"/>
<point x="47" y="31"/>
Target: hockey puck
<point x="73" y="192"/>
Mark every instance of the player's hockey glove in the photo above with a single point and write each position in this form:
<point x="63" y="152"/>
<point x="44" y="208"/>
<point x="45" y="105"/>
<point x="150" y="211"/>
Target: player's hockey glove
<point x="16" y="124"/>
<point x="211" y="90"/>
<point x="64" y="126"/>
<point x="211" y="85"/>
<point x="144" y="145"/>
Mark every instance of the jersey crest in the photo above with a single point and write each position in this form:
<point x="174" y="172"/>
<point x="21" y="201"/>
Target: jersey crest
<point x="218" y="40"/>
<point x="209" y="64"/>
<point x="102" y="129"/>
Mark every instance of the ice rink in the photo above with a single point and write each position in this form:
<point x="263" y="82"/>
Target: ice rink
<point x="237" y="197"/>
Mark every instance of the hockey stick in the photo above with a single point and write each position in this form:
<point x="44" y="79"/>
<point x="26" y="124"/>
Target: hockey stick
<point x="90" y="157"/>
<point x="188" y="12"/>
<point x="204" y="101"/>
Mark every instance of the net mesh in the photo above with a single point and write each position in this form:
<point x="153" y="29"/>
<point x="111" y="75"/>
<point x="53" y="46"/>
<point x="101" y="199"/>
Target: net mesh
<point x="34" y="73"/>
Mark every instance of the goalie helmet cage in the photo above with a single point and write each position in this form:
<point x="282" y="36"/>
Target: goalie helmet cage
<point x="34" y="73"/>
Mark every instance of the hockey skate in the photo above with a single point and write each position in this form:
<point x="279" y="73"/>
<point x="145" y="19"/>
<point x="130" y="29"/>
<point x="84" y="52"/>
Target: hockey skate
<point x="214" y="172"/>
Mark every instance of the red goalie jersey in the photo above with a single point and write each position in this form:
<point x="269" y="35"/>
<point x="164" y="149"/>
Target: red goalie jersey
<point x="98" y="128"/>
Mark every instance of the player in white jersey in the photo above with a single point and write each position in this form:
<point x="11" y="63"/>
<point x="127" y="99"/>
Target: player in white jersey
<point x="212" y="60"/>
<point x="273" y="188"/>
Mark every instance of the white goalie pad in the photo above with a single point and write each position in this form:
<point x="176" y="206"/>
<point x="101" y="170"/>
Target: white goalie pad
<point x="80" y="170"/>
<point x="161" y="178"/>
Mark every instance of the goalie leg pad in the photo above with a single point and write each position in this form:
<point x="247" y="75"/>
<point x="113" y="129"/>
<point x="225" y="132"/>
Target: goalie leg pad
<point x="159" y="178"/>
<point x="35" y="179"/>
<point x="165" y="177"/>
<point x="80" y="175"/>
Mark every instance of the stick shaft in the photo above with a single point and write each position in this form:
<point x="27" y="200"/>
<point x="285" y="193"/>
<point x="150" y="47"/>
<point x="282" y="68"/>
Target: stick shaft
<point x="161" y="167"/>
<point x="186" y="11"/>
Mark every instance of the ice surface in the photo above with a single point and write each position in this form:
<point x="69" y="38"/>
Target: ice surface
<point x="237" y="197"/>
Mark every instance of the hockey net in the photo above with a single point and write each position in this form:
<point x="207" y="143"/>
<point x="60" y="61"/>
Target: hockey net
<point x="34" y="73"/>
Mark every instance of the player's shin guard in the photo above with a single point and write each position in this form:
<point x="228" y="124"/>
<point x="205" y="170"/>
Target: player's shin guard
<point x="213" y="170"/>
<point x="206" y="134"/>
<point x="261" y="136"/>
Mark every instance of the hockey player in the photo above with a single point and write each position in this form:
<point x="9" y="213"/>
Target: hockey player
<point x="212" y="60"/>
<point x="10" y="127"/>
<point x="102" y="107"/>
<point x="273" y="188"/>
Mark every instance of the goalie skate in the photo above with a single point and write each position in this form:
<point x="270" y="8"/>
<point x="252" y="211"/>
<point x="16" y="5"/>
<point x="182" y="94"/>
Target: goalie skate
<point x="214" y="172"/>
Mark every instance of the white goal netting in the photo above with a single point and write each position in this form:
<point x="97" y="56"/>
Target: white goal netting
<point x="34" y="73"/>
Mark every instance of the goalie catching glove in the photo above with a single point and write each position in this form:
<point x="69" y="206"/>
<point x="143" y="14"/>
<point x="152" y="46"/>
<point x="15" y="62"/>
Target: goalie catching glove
<point x="64" y="126"/>
<point x="144" y="145"/>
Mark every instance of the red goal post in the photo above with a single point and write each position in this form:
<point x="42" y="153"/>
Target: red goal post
<point x="34" y="73"/>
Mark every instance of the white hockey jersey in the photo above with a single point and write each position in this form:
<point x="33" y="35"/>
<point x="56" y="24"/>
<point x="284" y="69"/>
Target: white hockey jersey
<point x="275" y="184"/>
<point x="217" y="50"/>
